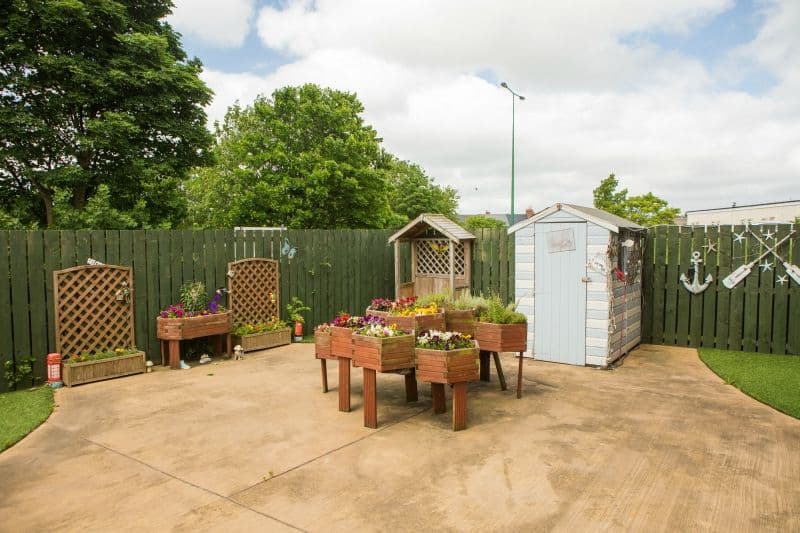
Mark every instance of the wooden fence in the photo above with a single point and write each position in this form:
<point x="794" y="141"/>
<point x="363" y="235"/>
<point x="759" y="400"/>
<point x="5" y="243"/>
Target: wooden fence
<point x="330" y="270"/>
<point x="760" y="314"/>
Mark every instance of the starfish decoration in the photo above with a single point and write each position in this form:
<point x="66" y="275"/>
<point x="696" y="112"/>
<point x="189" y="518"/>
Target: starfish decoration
<point x="738" y="237"/>
<point x="711" y="246"/>
<point x="782" y="280"/>
<point x="765" y="266"/>
<point x="768" y="235"/>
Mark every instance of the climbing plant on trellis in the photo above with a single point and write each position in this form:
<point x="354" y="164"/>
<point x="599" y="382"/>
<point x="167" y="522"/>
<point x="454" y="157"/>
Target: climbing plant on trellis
<point x="93" y="308"/>
<point x="253" y="286"/>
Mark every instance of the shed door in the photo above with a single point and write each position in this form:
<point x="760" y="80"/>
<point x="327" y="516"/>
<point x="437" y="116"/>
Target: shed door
<point x="560" y="292"/>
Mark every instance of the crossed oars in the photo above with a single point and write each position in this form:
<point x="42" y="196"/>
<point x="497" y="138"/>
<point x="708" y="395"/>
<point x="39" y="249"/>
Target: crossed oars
<point x="735" y="277"/>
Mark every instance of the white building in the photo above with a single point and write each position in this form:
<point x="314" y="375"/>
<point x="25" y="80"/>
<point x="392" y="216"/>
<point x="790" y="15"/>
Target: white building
<point x="771" y="213"/>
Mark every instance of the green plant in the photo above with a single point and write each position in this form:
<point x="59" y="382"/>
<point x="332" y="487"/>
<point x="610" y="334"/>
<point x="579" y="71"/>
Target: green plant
<point x="86" y="356"/>
<point x="270" y="325"/>
<point x="296" y="308"/>
<point x="22" y="371"/>
<point x="467" y="301"/>
<point x="441" y="299"/>
<point x="498" y="313"/>
<point x="193" y="296"/>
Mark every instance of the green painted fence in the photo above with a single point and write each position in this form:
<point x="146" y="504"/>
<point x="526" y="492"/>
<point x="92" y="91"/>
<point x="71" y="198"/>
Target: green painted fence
<point x="761" y="314"/>
<point x="330" y="270"/>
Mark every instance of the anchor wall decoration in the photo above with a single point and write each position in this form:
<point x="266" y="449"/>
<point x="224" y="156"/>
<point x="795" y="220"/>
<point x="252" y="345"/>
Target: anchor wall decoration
<point x="695" y="287"/>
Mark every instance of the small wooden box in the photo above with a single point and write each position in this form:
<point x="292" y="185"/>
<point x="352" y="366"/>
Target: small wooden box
<point x="341" y="342"/>
<point x="501" y="337"/>
<point x="383" y="353"/>
<point x="264" y="340"/>
<point x="113" y="367"/>
<point x="447" y="366"/>
<point x="417" y="323"/>
<point x="460" y="320"/>
<point x="322" y="345"/>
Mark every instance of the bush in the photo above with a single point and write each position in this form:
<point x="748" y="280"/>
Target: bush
<point x="498" y="313"/>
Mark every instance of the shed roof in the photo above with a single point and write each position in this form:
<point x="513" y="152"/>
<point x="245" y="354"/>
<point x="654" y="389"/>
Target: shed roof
<point x="440" y="223"/>
<point x="598" y="216"/>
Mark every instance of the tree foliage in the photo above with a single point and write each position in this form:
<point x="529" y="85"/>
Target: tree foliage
<point x="412" y="192"/>
<point x="646" y="210"/>
<point x="99" y="104"/>
<point x="304" y="158"/>
<point x="476" y="222"/>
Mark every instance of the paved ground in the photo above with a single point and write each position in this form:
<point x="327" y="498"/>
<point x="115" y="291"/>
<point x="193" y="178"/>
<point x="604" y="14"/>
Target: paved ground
<point x="659" y="443"/>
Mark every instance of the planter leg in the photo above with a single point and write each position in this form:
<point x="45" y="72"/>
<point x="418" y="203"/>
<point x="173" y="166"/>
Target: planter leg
<point x="499" y="366"/>
<point x="217" y="344"/>
<point x="519" y="378"/>
<point x="163" y="352"/>
<point x="460" y="406"/>
<point x="437" y="393"/>
<point x="174" y="354"/>
<point x="485" y="366"/>
<point x="370" y="399"/>
<point x="323" y="363"/>
<point x="412" y="394"/>
<point x="228" y="344"/>
<point x="344" y="384"/>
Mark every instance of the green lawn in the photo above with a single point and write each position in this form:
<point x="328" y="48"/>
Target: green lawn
<point x="21" y="412"/>
<point x="772" y="379"/>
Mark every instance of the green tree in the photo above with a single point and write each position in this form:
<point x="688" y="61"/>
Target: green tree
<point x="302" y="158"/>
<point x="646" y="210"/>
<point x="412" y="192"/>
<point x="476" y="222"/>
<point x="99" y="104"/>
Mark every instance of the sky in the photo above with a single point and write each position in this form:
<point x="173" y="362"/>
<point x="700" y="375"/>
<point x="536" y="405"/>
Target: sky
<point x="695" y="101"/>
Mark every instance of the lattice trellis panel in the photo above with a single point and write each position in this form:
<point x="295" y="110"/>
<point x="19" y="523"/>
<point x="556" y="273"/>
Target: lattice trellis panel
<point x="433" y="257"/>
<point x="254" y="290"/>
<point x="93" y="309"/>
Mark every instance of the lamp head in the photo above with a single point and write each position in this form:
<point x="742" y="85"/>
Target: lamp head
<point x="503" y="84"/>
<point x="521" y="97"/>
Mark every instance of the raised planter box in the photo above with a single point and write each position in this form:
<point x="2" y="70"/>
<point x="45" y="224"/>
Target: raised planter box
<point x="372" y="312"/>
<point x="322" y="345"/>
<point x="451" y="366"/>
<point x="501" y="337"/>
<point x="417" y="323"/>
<point x="264" y="340"/>
<point x="460" y="320"/>
<point x="113" y="367"/>
<point x="177" y="329"/>
<point x="383" y="353"/>
<point x="341" y="342"/>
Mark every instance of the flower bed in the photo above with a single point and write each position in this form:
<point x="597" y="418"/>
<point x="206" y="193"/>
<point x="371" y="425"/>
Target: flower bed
<point x="86" y="368"/>
<point x="262" y="336"/>
<point x="383" y="348"/>
<point x="446" y="357"/>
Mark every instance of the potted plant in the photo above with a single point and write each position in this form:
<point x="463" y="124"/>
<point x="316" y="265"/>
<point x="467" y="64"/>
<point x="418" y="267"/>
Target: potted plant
<point x="447" y="357"/>
<point x="88" y="367"/>
<point x="194" y="316"/>
<point x="341" y="332"/>
<point x="382" y="348"/>
<point x="500" y="328"/>
<point x="460" y="314"/>
<point x="382" y="306"/>
<point x="296" y="308"/>
<point x="262" y="335"/>
<point x="417" y="318"/>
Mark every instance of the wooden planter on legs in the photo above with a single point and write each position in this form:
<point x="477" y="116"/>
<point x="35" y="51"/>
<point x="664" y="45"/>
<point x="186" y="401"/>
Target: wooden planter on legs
<point x="342" y="349"/>
<point x="496" y="338"/>
<point x="322" y="351"/>
<point x="451" y="367"/>
<point x="173" y="330"/>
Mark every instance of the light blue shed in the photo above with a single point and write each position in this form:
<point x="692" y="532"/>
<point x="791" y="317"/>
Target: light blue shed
<point x="578" y="280"/>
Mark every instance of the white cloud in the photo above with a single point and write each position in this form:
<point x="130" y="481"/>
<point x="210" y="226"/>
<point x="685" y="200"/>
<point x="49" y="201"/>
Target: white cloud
<point x="224" y="24"/>
<point x="593" y="106"/>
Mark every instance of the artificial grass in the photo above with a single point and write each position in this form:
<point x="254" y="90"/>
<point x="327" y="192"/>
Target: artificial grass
<point x="21" y="412"/>
<point x="771" y="379"/>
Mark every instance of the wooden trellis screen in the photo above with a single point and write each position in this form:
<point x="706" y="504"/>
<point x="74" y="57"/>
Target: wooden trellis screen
<point x="433" y="257"/>
<point x="93" y="308"/>
<point x="253" y="286"/>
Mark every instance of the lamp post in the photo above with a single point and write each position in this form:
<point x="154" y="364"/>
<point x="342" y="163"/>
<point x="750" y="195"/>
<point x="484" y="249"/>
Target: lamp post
<point x="514" y="97"/>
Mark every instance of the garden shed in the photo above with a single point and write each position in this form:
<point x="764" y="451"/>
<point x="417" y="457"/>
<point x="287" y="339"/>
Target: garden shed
<point x="578" y="280"/>
<point x="441" y="256"/>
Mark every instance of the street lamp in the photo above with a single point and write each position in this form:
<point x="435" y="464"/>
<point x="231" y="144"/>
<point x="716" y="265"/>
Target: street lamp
<point x="514" y="97"/>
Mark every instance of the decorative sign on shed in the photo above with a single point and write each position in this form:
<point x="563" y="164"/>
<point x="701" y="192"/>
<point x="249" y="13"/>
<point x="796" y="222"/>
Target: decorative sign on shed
<point x="578" y="280"/>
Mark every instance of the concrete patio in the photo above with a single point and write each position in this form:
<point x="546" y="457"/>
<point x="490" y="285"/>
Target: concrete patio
<point x="658" y="444"/>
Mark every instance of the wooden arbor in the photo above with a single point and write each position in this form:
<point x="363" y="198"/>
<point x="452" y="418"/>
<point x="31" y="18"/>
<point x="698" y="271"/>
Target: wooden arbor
<point x="441" y="257"/>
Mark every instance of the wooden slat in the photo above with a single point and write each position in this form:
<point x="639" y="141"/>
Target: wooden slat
<point x="97" y="239"/>
<point x="723" y="295"/>
<point x="696" y="300"/>
<point x="683" y="314"/>
<point x="766" y="288"/>
<point x="709" y="316"/>
<point x="6" y="326"/>
<point x="793" y="324"/>
<point x="38" y="300"/>
<point x="19" y="294"/>
<point x="68" y="246"/>
<point x="164" y="269"/>
<point x="111" y="238"/>
<point x="780" y="318"/>
<point x="671" y="284"/>
<point x="83" y="246"/>
<point x="648" y="245"/>
<point x="52" y="262"/>
<point x="750" y="316"/>
<point x="736" y="295"/>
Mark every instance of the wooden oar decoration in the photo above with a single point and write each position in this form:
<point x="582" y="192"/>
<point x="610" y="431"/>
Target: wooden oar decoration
<point x="735" y="277"/>
<point x="792" y="270"/>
